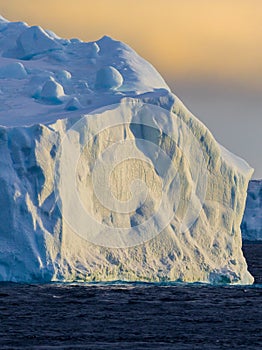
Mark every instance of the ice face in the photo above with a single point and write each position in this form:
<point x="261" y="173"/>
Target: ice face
<point x="105" y="175"/>
<point x="252" y="221"/>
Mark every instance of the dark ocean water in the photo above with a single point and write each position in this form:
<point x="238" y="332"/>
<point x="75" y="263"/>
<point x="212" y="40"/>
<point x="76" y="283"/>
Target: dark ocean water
<point x="134" y="316"/>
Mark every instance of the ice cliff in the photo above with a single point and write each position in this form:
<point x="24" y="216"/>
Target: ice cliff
<point x="252" y="221"/>
<point x="105" y="175"/>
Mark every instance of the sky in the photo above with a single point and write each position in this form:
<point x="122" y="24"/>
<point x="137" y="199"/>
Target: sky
<point x="209" y="52"/>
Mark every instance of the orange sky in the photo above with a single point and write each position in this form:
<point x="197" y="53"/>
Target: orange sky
<point x="217" y="39"/>
<point x="208" y="51"/>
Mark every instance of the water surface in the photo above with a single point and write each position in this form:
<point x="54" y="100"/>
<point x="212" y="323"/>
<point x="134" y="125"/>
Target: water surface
<point x="134" y="316"/>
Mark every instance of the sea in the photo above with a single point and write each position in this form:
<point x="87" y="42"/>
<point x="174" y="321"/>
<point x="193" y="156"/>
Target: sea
<point x="134" y="315"/>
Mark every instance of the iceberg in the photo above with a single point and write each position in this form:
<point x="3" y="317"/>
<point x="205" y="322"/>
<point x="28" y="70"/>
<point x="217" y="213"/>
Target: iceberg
<point x="117" y="181"/>
<point x="251" y="225"/>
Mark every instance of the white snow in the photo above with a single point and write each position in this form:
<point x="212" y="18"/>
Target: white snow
<point x="108" y="78"/>
<point x="165" y="161"/>
<point x="3" y="20"/>
<point x="34" y="40"/>
<point x="74" y="65"/>
<point x="73" y="104"/>
<point x="14" y="70"/>
<point x="52" y="92"/>
<point x="235" y="161"/>
<point x="63" y="76"/>
<point x="94" y="50"/>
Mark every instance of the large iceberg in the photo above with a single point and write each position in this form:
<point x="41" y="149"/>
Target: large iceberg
<point x="105" y="175"/>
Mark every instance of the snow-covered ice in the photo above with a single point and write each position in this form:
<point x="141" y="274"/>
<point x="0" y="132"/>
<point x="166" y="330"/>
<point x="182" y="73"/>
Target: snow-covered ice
<point x="14" y="70"/>
<point x="78" y="109"/>
<point x="52" y="92"/>
<point x="108" y="78"/>
<point x="34" y="41"/>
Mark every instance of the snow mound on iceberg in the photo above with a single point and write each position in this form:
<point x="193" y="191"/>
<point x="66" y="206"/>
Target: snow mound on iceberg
<point x="170" y="208"/>
<point x="52" y="92"/>
<point x="63" y="76"/>
<point x="108" y="78"/>
<point x="73" y="104"/>
<point x="75" y="65"/>
<point x="34" y="40"/>
<point x="15" y="70"/>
